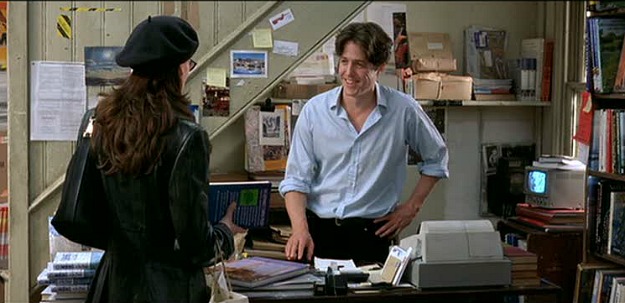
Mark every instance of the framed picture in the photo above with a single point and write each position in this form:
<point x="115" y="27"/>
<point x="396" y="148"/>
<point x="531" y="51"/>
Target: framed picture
<point x="248" y="64"/>
<point x="100" y="66"/>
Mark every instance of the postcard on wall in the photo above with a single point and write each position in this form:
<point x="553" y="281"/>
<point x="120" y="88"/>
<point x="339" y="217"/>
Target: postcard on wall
<point x="58" y="100"/>
<point x="281" y="19"/>
<point x="271" y="128"/>
<point x="318" y="64"/>
<point x="100" y="66"/>
<point x="286" y="48"/>
<point x="216" y="100"/>
<point x="248" y="64"/>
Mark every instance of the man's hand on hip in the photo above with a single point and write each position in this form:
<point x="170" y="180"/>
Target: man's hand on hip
<point x="396" y="221"/>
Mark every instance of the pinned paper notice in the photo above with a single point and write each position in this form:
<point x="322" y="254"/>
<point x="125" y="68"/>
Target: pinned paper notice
<point x="281" y="19"/>
<point x="286" y="48"/>
<point x="261" y="38"/>
<point x="216" y="77"/>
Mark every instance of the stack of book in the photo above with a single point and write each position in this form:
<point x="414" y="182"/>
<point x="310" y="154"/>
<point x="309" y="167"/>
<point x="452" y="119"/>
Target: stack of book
<point x="280" y="233"/>
<point x="493" y="89"/>
<point x="524" y="266"/>
<point x="68" y="276"/>
<point x="255" y="272"/>
<point x="549" y="219"/>
<point x="264" y="248"/>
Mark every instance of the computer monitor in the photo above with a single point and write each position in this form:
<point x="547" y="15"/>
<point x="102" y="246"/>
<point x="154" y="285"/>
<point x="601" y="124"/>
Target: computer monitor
<point x="554" y="188"/>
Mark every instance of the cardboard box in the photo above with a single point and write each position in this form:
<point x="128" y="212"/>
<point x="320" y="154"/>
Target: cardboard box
<point x="434" y="65"/>
<point x="300" y="91"/>
<point x="437" y="86"/>
<point x="431" y="52"/>
<point x="430" y="45"/>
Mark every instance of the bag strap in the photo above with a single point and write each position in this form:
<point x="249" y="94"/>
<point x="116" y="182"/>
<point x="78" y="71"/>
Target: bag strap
<point x="89" y="129"/>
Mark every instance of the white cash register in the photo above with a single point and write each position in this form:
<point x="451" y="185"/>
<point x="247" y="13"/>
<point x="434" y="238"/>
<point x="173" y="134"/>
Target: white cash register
<point x="453" y="253"/>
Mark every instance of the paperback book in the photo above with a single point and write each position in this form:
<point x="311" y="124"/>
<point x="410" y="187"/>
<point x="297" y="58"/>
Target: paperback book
<point x="252" y="198"/>
<point x="77" y="260"/>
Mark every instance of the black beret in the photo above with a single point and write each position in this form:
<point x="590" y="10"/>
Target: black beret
<point x="157" y="43"/>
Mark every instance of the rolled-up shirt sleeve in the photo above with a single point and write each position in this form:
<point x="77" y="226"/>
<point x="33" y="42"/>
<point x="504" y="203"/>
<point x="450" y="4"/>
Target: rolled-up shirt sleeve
<point x="301" y="161"/>
<point x="428" y="143"/>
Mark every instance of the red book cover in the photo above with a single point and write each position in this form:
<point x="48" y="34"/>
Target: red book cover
<point x="551" y="216"/>
<point x="609" y="139"/>
<point x="547" y="71"/>
<point x="584" y="130"/>
<point x="548" y="227"/>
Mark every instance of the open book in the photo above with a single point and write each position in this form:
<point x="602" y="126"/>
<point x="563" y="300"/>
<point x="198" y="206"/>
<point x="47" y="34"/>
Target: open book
<point x="252" y="198"/>
<point x="394" y="267"/>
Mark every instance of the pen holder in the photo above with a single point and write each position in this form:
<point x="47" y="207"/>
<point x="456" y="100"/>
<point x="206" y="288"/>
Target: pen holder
<point x="335" y="284"/>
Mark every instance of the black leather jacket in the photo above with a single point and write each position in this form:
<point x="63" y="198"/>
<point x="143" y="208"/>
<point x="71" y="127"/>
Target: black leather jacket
<point x="159" y="236"/>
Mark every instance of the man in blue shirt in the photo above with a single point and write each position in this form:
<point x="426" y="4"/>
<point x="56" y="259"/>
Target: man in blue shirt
<point x="347" y="163"/>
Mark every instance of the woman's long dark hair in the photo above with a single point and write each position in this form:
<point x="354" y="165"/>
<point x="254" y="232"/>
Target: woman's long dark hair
<point x="131" y="121"/>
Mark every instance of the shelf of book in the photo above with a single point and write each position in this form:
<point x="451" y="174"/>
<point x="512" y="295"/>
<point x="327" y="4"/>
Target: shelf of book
<point x="605" y="200"/>
<point x="613" y="259"/>
<point x="611" y="13"/>
<point x="605" y="175"/>
<point x="482" y="103"/>
<point x="608" y="101"/>
<point x="454" y="102"/>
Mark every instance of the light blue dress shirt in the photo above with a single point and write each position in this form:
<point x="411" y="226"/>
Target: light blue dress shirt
<point x="349" y="174"/>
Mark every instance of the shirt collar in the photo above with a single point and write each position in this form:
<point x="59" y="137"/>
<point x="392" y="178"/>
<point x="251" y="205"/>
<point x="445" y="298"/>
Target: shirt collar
<point x="335" y="97"/>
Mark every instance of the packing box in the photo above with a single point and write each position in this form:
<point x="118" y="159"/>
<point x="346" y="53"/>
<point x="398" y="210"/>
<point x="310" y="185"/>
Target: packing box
<point x="300" y="91"/>
<point x="438" y="86"/>
<point x="434" y="65"/>
<point x="431" y="52"/>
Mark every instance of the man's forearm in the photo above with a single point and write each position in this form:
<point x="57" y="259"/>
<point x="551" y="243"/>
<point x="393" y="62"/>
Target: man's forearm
<point x="296" y="208"/>
<point x="421" y="191"/>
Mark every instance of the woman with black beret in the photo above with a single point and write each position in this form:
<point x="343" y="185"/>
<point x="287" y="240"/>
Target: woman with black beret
<point x="155" y="164"/>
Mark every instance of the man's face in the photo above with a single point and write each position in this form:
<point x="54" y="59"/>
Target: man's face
<point x="357" y="74"/>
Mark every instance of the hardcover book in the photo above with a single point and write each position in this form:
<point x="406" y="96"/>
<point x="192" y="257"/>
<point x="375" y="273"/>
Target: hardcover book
<point x="551" y="215"/>
<point x="252" y="198"/>
<point x="258" y="271"/>
<point x="616" y="232"/>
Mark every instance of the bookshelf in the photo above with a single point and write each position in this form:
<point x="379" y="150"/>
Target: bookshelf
<point x="444" y="103"/>
<point x="603" y="241"/>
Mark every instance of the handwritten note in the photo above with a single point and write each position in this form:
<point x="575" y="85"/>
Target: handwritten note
<point x="216" y="77"/>
<point x="261" y="38"/>
<point x="286" y="48"/>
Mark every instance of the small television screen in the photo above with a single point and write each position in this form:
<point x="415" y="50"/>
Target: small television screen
<point x="537" y="181"/>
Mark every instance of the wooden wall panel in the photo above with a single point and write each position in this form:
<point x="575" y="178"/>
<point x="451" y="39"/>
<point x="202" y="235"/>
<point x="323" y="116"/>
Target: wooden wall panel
<point x="207" y="26"/>
<point x="229" y="15"/>
<point x="249" y="7"/>
<point x="47" y="160"/>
